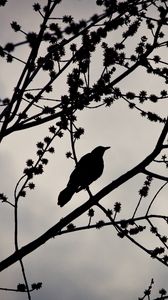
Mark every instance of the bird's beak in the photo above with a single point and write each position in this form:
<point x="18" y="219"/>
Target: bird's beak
<point x="107" y="148"/>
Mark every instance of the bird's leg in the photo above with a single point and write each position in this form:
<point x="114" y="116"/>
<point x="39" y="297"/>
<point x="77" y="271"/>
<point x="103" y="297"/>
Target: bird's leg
<point x="89" y="192"/>
<point x="86" y="188"/>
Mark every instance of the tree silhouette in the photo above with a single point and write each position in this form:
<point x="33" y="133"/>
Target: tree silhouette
<point x="124" y="39"/>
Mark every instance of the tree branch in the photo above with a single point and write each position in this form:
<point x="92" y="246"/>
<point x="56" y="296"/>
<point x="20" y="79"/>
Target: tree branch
<point x="155" y="175"/>
<point x="86" y="206"/>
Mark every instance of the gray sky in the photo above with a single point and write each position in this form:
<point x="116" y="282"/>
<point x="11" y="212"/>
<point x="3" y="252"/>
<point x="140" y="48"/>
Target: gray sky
<point x="95" y="264"/>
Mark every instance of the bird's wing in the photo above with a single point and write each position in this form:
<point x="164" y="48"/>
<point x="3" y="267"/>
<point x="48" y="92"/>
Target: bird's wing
<point x="83" y="161"/>
<point x="80" y="170"/>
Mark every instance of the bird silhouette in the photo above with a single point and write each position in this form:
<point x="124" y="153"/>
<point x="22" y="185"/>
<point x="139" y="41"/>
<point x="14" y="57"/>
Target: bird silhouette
<point x="88" y="169"/>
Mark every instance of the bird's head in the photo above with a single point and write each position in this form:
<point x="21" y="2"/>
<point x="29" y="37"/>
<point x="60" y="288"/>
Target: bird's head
<point x="100" y="150"/>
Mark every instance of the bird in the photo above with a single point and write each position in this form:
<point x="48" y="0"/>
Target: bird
<point x="88" y="169"/>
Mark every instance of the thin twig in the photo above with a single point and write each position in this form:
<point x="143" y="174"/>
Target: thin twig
<point x="149" y="207"/>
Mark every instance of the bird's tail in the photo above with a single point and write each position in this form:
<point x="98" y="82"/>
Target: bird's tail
<point x="66" y="195"/>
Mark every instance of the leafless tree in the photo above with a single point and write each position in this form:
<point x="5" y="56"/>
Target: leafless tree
<point x="64" y="45"/>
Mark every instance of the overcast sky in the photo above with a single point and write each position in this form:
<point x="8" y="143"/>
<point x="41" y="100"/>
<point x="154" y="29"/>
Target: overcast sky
<point x="94" y="264"/>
